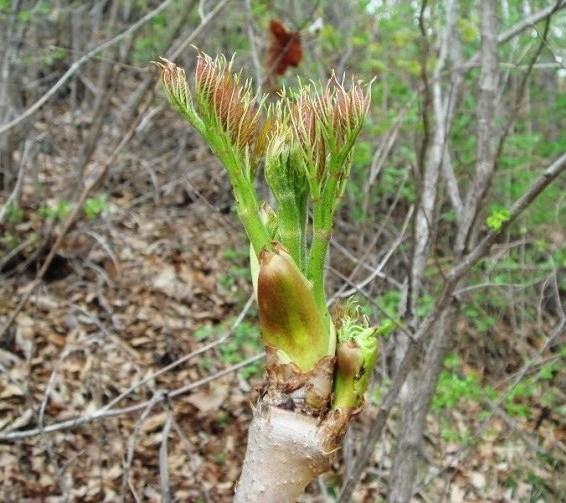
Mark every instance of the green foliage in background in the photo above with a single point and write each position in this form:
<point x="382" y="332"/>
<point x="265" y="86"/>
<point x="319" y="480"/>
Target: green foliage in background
<point x="243" y="343"/>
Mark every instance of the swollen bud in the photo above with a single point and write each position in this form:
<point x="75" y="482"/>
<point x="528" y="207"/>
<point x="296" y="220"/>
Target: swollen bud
<point x="349" y="359"/>
<point x="285" y="175"/>
<point x="355" y="358"/>
<point x="288" y="313"/>
<point x="174" y="82"/>
<point x="349" y="110"/>
<point x="307" y="115"/>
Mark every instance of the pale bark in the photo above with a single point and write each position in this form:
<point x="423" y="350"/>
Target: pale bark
<point x="454" y="49"/>
<point x="443" y="301"/>
<point x="286" y="450"/>
<point x="413" y="405"/>
<point x="485" y="146"/>
<point x="423" y="382"/>
<point x="8" y="49"/>
<point x="416" y="407"/>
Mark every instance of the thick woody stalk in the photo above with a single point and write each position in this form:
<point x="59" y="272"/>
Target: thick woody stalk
<point x="286" y="451"/>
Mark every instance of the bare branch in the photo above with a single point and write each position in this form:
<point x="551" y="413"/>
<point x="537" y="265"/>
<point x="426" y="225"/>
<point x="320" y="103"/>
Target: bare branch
<point x="443" y="301"/>
<point x="184" y="358"/>
<point x="164" y="484"/>
<point x="413" y="406"/>
<point x="379" y="268"/>
<point x="496" y="406"/>
<point x="530" y="21"/>
<point x="109" y="43"/>
<point x="520" y="27"/>
<point x="456" y="79"/>
<point x="520" y="94"/>
<point x="73" y="217"/>
<point x="134" y="438"/>
<point x="14" y="197"/>
<point x="101" y="414"/>
<point x="485" y="148"/>
<point x="75" y="213"/>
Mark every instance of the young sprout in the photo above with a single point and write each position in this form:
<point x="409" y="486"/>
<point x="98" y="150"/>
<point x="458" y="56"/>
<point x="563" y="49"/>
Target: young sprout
<point x="356" y="355"/>
<point x="221" y="95"/>
<point x="227" y="116"/>
<point x="304" y="142"/>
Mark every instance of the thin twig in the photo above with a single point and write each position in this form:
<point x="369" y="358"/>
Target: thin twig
<point x="453" y="278"/>
<point x="496" y="406"/>
<point x="184" y="358"/>
<point x="14" y="197"/>
<point x="101" y="414"/>
<point x="377" y="271"/>
<point x="78" y="63"/>
<point x="519" y="28"/>
<point x="109" y="43"/>
<point x="164" y="484"/>
<point x="73" y="217"/>
<point x="158" y="397"/>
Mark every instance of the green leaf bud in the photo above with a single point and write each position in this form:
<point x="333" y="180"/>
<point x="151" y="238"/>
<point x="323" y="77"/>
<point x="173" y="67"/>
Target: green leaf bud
<point x="356" y="356"/>
<point x="288" y="313"/>
<point x="285" y="175"/>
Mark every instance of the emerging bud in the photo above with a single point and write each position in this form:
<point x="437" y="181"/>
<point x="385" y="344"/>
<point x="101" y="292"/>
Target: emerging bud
<point x="285" y="173"/>
<point x="269" y="219"/>
<point x="288" y="314"/>
<point x="306" y="118"/>
<point x="205" y="76"/>
<point x="264" y="132"/>
<point x="356" y="356"/>
<point x="348" y="112"/>
<point x="348" y="359"/>
<point x="284" y="169"/>
<point x="174" y="82"/>
<point x="356" y="359"/>
<point x="229" y="102"/>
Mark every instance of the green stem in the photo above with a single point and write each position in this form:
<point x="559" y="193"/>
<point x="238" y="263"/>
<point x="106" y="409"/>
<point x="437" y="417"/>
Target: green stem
<point x="345" y="396"/>
<point x="322" y="228"/>
<point x="303" y="220"/>
<point x="247" y="203"/>
<point x="247" y="206"/>
<point x="323" y="215"/>
<point x="290" y="230"/>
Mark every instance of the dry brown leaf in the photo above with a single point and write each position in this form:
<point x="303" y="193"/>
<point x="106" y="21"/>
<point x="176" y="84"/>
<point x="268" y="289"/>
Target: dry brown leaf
<point x="169" y="282"/>
<point x="211" y="399"/>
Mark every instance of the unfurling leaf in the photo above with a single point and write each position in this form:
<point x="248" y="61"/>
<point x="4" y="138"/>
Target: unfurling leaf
<point x="355" y="358"/>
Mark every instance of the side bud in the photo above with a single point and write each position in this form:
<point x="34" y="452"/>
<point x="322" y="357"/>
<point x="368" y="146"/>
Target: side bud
<point x="288" y="313"/>
<point x="355" y="359"/>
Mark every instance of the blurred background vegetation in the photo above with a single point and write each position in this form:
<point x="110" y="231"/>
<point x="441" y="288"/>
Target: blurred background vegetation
<point x="155" y="236"/>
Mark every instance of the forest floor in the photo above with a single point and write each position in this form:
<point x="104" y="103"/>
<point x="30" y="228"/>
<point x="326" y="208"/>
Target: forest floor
<point x="161" y="273"/>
